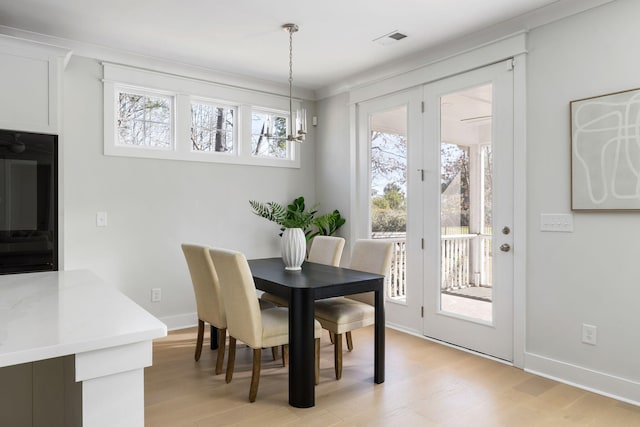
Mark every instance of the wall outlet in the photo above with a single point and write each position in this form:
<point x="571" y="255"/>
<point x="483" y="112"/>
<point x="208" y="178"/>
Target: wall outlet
<point x="156" y="295"/>
<point x="589" y="334"/>
<point x="101" y="219"/>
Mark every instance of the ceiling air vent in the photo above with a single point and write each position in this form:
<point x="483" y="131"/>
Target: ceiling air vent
<point x="390" y="38"/>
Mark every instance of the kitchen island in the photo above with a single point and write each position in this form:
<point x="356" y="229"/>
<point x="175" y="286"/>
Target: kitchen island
<point x="72" y="351"/>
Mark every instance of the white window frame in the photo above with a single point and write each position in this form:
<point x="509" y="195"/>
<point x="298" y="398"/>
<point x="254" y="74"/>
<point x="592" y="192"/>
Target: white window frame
<point x="185" y="91"/>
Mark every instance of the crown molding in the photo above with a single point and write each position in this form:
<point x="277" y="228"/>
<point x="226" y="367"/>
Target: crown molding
<point x="107" y="54"/>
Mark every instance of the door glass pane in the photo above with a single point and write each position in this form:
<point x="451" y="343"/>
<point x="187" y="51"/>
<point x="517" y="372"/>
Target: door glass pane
<point x="465" y="203"/>
<point x="388" y="142"/>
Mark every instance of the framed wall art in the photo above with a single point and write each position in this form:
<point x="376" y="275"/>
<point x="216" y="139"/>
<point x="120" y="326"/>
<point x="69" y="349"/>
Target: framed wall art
<point x="605" y="152"/>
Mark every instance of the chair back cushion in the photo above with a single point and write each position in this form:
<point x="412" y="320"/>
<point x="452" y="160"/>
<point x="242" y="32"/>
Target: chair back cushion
<point x="372" y="256"/>
<point x="244" y="320"/>
<point x="326" y="250"/>
<point x="206" y="286"/>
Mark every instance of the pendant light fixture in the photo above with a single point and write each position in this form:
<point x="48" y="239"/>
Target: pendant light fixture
<point x="297" y="129"/>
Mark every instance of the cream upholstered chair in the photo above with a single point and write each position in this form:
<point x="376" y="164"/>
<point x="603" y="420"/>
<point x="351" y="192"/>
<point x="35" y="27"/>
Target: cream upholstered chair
<point x="245" y="321"/>
<point x="210" y="307"/>
<point x="324" y="250"/>
<point x="344" y="314"/>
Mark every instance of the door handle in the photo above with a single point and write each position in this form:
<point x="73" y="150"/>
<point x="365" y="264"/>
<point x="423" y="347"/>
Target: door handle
<point x="505" y="247"/>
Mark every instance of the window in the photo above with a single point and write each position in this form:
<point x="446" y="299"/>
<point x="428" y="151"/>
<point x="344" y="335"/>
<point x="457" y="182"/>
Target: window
<point x="144" y="120"/>
<point x="154" y="115"/>
<point x="264" y="124"/>
<point x="212" y="128"/>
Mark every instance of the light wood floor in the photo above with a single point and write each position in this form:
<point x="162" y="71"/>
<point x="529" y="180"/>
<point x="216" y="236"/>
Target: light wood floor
<point x="427" y="384"/>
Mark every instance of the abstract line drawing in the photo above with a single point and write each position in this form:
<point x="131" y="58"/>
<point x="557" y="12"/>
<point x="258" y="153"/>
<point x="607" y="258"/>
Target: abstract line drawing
<point x="605" y="152"/>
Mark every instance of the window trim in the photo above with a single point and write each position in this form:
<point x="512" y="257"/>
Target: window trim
<point x="186" y="91"/>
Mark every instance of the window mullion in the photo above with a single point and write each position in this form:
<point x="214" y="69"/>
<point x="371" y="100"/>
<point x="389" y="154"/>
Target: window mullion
<point x="182" y="120"/>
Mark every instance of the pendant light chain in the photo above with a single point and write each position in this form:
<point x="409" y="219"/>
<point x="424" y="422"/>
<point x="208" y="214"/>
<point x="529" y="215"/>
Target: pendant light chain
<point x="291" y="135"/>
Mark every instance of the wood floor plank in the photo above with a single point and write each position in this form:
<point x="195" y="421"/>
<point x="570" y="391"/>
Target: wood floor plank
<point x="427" y="384"/>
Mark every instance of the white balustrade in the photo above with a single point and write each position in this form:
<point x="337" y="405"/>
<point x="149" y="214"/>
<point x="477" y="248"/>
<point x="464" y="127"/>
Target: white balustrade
<point x="458" y="269"/>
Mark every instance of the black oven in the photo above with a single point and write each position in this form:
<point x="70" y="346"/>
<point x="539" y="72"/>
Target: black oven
<point x="28" y="202"/>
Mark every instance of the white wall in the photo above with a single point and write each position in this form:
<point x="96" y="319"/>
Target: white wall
<point x="334" y="162"/>
<point x="591" y="275"/>
<point x="154" y="205"/>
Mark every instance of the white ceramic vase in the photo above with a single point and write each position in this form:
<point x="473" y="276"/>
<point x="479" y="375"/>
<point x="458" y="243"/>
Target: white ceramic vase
<point x="294" y="248"/>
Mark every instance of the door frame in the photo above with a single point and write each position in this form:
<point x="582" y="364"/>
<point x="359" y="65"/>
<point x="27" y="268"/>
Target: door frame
<point x="495" y="337"/>
<point x="449" y="65"/>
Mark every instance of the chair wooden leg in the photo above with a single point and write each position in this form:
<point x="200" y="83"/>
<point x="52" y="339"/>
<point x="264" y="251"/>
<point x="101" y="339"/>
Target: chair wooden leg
<point x="331" y="338"/>
<point x="349" y="341"/>
<point x="317" y="361"/>
<point x="337" y="355"/>
<point x="231" y="359"/>
<point x="199" y="340"/>
<point x="285" y="355"/>
<point x="274" y="352"/>
<point x="255" y="375"/>
<point x="222" y="340"/>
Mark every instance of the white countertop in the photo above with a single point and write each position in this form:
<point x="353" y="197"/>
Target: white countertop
<point x="51" y="314"/>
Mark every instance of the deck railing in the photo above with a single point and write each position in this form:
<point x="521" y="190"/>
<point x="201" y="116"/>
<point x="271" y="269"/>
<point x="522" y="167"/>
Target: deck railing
<point x="466" y="261"/>
<point x="396" y="279"/>
<point x="455" y="261"/>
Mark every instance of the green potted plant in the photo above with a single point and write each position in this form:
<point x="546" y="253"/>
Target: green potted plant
<point x="298" y="225"/>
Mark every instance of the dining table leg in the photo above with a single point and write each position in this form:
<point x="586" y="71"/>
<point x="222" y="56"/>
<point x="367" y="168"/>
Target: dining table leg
<point x="301" y="349"/>
<point x="214" y="338"/>
<point x="378" y="375"/>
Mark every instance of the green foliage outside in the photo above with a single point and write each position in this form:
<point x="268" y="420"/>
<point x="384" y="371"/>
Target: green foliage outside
<point x="389" y="211"/>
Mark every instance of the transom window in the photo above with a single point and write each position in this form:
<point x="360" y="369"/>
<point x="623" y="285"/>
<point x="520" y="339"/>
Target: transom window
<point x="144" y="119"/>
<point x="154" y="115"/>
<point x="269" y="134"/>
<point x="212" y="128"/>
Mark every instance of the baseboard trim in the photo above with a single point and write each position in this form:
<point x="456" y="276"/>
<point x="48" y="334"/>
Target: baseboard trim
<point x="180" y="321"/>
<point x="587" y="379"/>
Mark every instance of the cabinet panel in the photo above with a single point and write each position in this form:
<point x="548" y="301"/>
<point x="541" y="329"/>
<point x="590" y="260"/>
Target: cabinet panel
<point x="30" y="85"/>
<point x="24" y="89"/>
<point x="16" y="390"/>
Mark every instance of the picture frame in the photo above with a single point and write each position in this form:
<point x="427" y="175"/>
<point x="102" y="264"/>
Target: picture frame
<point x="605" y="152"/>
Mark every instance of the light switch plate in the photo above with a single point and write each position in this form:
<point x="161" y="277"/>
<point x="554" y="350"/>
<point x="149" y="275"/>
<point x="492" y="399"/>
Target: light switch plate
<point x="556" y="222"/>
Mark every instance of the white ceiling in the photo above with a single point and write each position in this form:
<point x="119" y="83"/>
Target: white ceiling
<point x="245" y="36"/>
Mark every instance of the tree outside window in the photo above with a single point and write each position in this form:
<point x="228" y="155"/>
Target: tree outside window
<point x="388" y="183"/>
<point x="144" y="120"/>
<point x="212" y="128"/>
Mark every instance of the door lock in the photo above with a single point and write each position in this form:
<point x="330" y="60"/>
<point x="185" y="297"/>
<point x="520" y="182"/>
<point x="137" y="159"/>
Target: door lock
<point x="506" y="230"/>
<point x="505" y="247"/>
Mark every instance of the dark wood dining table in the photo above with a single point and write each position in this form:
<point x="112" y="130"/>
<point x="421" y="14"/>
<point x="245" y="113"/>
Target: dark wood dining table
<point x="301" y="288"/>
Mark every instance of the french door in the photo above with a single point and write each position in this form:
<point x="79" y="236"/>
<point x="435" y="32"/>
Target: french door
<point x="468" y="210"/>
<point x="390" y="196"/>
